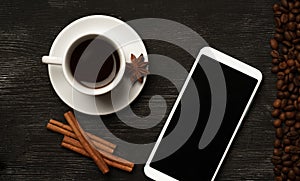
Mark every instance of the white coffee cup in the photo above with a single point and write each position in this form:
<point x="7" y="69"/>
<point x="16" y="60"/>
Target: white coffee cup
<point x="91" y="88"/>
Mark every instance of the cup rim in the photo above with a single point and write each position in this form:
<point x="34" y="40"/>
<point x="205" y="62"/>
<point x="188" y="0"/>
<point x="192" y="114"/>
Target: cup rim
<point x="95" y="91"/>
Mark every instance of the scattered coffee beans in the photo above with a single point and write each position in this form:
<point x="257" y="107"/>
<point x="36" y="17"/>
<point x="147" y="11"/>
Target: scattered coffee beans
<point x="285" y="55"/>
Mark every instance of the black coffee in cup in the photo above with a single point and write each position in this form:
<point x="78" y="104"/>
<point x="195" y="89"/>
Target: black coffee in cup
<point x="94" y="61"/>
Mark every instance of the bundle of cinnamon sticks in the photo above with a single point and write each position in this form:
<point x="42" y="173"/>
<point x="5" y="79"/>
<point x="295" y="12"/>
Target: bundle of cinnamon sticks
<point x="89" y="145"/>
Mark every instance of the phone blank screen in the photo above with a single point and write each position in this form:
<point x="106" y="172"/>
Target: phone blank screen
<point x="190" y="162"/>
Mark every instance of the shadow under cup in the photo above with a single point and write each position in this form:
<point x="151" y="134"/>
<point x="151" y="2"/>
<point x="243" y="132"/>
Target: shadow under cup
<point x="94" y="61"/>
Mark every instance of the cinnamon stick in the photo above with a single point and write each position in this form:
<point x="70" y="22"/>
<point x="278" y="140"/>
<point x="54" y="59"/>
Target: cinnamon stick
<point x="75" y="149"/>
<point x="106" y="155"/>
<point x="67" y="130"/>
<point x="60" y="124"/>
<point x="57" y="129"/>
<point x="117" y="165"/>
<point x="85" y="144"/>
<point x="93" y="137"/>
<point x="100" y="146"/>
<point x="100" y="140"/>
<point x="84" y="153"/>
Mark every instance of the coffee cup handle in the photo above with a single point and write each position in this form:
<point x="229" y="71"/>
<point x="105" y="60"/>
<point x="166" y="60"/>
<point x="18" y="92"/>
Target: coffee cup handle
<point x="52" y="60"/>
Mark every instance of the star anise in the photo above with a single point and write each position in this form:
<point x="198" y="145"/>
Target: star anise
<point x="137" y="68"/>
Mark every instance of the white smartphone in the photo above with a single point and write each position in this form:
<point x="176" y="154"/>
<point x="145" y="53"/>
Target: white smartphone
<point x="226" y="88"/>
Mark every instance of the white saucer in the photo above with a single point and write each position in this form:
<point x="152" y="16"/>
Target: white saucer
<point x="125" y="92"/>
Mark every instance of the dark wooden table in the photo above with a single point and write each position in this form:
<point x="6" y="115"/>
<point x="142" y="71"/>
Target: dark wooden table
<point x="27" y="100"/>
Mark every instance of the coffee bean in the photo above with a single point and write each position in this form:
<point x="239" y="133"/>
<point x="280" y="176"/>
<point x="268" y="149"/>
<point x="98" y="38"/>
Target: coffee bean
<point x="277" y="24"/>
<point x="277" y="143"/>
<point x="297" y="125"/>
<point x="284" y="18"/>
<point x="292" y="129"/>
<point x="283" y="9"/>
<point x="274" y="54"/>
<point x="275" y="61"/>
<point x="291" y="26"/>
<point x="296" y="170"/>
<point x="284" y="3"/>
<point x="287" y="163"/>
<point x="287" y="36"/>
<point x="294" y="36"/>
<point x="284" y="57"/>
<point x="298" y="106"/>
<point x="289" y="108"/>
<point x="275" y="69"/>
<point x="277" y="152"/>
<point x="297" y="142"/>
<point x="277" y="13"/>
<point x="280" y="95"/>
<point x="287" y="43"/>
<point x="298" y="116"/>
<point x="291" y="174"/>
<point x="278" y="37"/>
<point x="296" y="82"/>
<point x="276" y="160"/>
<point x="295" y="158"/>
<point x="286" y="77"/>
<point x="291" y="54"/>
<point x="298" y="18"/>
<point x="295" y="150"/>
<point x="283" y="176"/>
<point x="285" y="130"/>
<point x="284" y="49"/>
<point x="279" y="84"/>
<point x="278" y="178"/>
<point x="297" y="63"/>
<point x="291" y="87"/>
<point x="293" y="97"/>
<point x="277" y="123"/>
<point x="290" y="123"/>
<point x="282" y="65"/>
<point x="285" y="170"/>
<point x="278" y="29"/>
<point x="291" y="17"/>
<point x="274" y="44"/>
<point x="292" y="135"/>
<point x="277" y="103"/>
<point x="279" y="132"/>
<point x="297" y="4"/>
<point x="295" y="104"/>
<point x="277" y="171"/>
<point x="297" y="163"/>
<point x="275" y="113"/>
<point x="291" y="77"/>
<point x="295" y="41"/>
<point x="276" y="7"/>
<point x="283" y="103"/>
<point x="291" y="62"/>
<point x="285" y="157"/>
<point x="296" y="11"/>
<point x="290" y="115"/>
<point x="286" y="94"/>
<point x="282" y="116"/>
<point x="280" y="75"/>
<point x="286" y="142"/>
<point x="287" y="149"/>
<point x="291" y="5"/>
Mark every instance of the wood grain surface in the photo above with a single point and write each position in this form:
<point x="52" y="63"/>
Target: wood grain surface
<point x="27" y="100"/>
